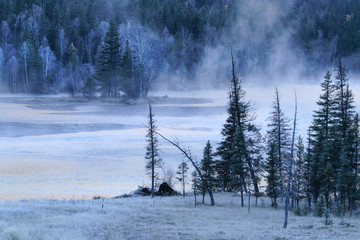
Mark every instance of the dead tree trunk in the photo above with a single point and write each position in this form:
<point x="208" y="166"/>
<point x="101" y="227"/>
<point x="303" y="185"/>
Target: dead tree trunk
<point x="187" y="154"/>
<point x="290" y="168"/>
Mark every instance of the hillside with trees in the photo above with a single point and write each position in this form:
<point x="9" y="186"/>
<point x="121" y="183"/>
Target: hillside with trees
<point x="122" y="48"/>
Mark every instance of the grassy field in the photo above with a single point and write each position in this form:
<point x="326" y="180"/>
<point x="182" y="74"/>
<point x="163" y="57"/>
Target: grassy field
<point x="162" y="218"/>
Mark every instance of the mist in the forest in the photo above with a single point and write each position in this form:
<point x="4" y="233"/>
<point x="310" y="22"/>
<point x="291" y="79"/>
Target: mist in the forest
<point x="261" y="55"/>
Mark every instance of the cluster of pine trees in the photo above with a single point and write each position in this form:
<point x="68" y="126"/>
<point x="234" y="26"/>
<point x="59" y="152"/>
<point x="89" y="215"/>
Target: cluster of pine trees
<point x="332" y="155"/>
<point x="324" y="174"/>
<point x="325" y="171"/>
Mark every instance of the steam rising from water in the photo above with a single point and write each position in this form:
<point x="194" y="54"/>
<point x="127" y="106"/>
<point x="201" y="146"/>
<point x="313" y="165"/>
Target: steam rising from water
<point x="266" y="49"/>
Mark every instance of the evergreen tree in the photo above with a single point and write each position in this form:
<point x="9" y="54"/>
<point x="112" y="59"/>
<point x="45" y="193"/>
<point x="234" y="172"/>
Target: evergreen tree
<point x="90" y="87"/>
<point x="152" y="156"/>
<point x="307" y="169"/>
<point x="182" y="174"/>
<point x="35" y="69"/>
<point x="299" y="170"/>
<point x="334" y="143"/>
<point x="238" y="126"/>
<point x="273" y="175"/>
<point x="344" y="116"/>
<point x="278" y="134"/>
<point x="130" y="73"/>
<point x="207" y="168"/>
<point x="323" y="142"/>
<point x="238" y="170"/>
<point x="109" y="62"/>
<point x="196" y="184"/>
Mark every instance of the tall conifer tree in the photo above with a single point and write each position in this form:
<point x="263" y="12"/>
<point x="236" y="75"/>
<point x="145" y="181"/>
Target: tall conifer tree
<point x="152" y="156"/>
<point x="109" y="62"/>
<point x="323" y="133"/>
<point x="278" y="134"/>
<point x="238" y="133"/>
<point x="207" y="168"/>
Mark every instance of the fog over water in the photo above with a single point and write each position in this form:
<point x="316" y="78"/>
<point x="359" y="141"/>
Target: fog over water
<point x="51" y="147"/>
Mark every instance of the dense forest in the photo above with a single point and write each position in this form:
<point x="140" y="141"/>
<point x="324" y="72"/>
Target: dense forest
<point x="123" y="48"/>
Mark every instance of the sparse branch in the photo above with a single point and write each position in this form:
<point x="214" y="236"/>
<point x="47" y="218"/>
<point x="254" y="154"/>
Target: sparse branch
<point x="187" y="154"/>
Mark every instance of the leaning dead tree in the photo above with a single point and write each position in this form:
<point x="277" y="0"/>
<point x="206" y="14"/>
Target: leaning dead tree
<point x="187" y="154"/>
<point x="290" y="167"/>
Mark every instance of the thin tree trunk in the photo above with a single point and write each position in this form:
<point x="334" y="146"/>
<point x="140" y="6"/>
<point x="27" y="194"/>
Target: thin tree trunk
<point x="252" y="174"/>
<point x="195" y="197"/>
<point x="275" y="203"/>
<point x="152" y="151"/>
<point x="183" y="182"/>
<point x="26" y="76"/>
<point x="242" y="195"/>
<point x="290" y="168"/>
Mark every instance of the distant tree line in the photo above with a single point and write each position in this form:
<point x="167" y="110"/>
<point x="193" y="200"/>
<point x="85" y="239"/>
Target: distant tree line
<point x="49" y="46"/>
<point x="98" y="46"/>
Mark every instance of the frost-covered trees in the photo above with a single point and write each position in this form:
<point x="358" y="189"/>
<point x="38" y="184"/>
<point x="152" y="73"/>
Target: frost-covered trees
<point x="5" y="36"/>
<point x="299" y="180"/>
<point x="323" y="131"/>
<point x="290" y="167"/>
<point x="207" y="166"/>
<point x="152" y="156"/>
<point x="147" y="53"/>
<point x="278" y="142"/>
<point x="273" y="175"/>
<point x="239" y="148"/>
<point x="48" y="62"/>
<point x="333" y="148"/>
<point x="344" y="122"/>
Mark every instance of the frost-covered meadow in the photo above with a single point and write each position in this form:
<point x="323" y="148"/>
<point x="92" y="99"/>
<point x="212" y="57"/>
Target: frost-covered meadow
<point x="66" y="151"/>
<point x="162" y="218"/>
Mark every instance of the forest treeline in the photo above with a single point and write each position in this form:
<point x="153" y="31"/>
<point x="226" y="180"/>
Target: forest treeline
<point x="114" y="48"/>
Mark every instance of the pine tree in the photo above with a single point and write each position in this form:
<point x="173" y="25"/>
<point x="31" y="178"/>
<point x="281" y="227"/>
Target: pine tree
<point x="323" y="142"/>
<point x="90" y="87"/>
<point x="344" y="116"/>
<point x="35" y="69"/>
<point x="273" y="176"/>
<point x="196" y="184"/>
<point x="238" y="125"/>
<point x="278" y="134"/>
<point x="182" y="174"/>
<point x="109" y="62"/>
<point x="207" y="168"/>
<point x="130" y="73"/>
<point x="299" y="169"/>
<point x="307" y="169"/>
<point x="152" y="156"/>
<point x="333" y="137"/>
<point x="355" y="189"/>
<point x="238" y="170"/>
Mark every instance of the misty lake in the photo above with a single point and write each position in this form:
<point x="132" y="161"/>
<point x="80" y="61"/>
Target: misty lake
<point x="51" y="147"/>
